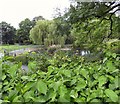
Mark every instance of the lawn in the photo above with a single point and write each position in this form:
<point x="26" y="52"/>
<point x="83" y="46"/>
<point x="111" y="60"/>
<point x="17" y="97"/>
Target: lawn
<point x="14" y="47"/>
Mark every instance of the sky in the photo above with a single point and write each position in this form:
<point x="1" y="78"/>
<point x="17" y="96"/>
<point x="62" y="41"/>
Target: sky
<point x="14" y="11"/>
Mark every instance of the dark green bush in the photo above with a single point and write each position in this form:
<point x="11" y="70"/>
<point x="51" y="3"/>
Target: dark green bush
<point x="68" y="79"/>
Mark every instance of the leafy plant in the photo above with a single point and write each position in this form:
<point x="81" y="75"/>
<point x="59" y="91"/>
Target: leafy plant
<point x="67" y="79"/>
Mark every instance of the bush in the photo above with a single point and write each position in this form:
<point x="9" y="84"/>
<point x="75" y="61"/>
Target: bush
<point x="68" y="79"/>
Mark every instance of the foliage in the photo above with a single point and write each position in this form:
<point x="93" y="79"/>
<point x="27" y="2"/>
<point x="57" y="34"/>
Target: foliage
<point x="41" y="31"/>
<point x="14" y="47"/>
<point x="23" y="32"/>
<point x="92" y="23"/>
<point x="50" y="32"/>
<point x="68" y="79"/>
<point x="37" y="18"/>
<point x="7" y="33"/>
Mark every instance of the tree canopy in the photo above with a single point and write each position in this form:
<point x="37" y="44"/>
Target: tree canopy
<point x="93" y="23"/>
<point x="23" y="32"/>
<point x="7" y="33"/>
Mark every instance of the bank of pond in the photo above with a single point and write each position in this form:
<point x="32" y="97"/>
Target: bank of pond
<point x="31" y="54"/>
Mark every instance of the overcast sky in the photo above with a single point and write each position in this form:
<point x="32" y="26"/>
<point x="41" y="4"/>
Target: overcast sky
<point x="14" y="11"/>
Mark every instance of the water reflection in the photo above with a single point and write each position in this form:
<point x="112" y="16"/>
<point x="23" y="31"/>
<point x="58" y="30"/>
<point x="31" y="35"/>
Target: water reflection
<point x="1" y="55"/>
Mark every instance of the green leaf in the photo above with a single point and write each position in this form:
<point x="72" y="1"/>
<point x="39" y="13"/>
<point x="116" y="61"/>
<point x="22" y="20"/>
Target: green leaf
<point x="80" y="99"/>
<point x="63" y="90"/>
<point x="102" y="80"/>
<point x="112" y="95"/>
<point x="67" y="73"/>
<point x="16" y="99"/>
<point x="19" y="64"/>
<point x="12" y="94"/>
<point x="28" y="94"/>
<point x="38" y="99"/>
<point x="50" y="70"/>
<point x="63" y="99"/>
<point x="32" y="65"/>
<point x="13" y="70"/>
<point x="24" y="77"/>
<point x="110" y="65"/>
<point x="56" y="85"/>
<point x="51" y="94"/>
<point x="81" y="84"/>
<point x="84" y="72"/>
<point x="73" y="94"/>
<point x="73" y="81"/>
<point x="3" y="76"/>
<point x="114" y="55"/>
<point x="42" y="87"/>
<point x="28" y="86"/>
<point x="96" y="100"/>
<point x="116" y="81"/>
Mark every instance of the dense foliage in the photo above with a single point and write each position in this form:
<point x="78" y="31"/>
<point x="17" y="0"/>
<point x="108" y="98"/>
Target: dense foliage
<point x="67" y="79"/>
<point x="23" y="32"/>
<point x="7" y="33"/>
<point x="56" y="76"/>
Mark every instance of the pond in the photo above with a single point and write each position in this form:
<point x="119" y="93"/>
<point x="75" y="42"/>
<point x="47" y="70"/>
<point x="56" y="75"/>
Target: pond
<point x="24" y="67"/>
<point x="1" y="55"/>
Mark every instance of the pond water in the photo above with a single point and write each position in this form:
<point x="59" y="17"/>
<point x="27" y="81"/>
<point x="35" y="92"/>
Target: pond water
<point x="85" y="52"/>
<point x="24" y="67"/>
<point x="1" y="55"/>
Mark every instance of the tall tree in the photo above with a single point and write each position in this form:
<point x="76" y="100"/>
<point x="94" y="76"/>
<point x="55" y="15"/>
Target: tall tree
<point x="7" y="33"/>
<point x="93" y="22"/>
<point x="40" y="31"/>
<point x="23" y="32"/>
<point x="37" y="18"/>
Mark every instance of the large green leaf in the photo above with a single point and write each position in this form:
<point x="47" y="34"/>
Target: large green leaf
<point x="28" y="86"/>
<point x="63" y="99"/>
<point x="102" y="80"/>
<point x="3" y="76"/>
<point x="42" y="87"/>
<point x="110" y="66"/>
<point x="57" y="85"/>
<point x="51" y="94"/>
<point x="81" y="84"/>
<point x="13" y="70"/>
<point x="112" y="95"/>
<point x="17" y="99"/>
<point x="81" y="99"/>
<point x="50" y="70"/>
<point x="67" y="73"/>
<point x="116" y="81"/>
<point x="62" y="90"/>
<point x="84" y="72"/>
<point x="73" y="94"/>
<point x="38" y="99"/>
<point x="28" y="94"/>
<point x="24" y="77"/>
<point x="12" y="94"/>
<point x="32" y="65"/>
<point x="74" y="80"/>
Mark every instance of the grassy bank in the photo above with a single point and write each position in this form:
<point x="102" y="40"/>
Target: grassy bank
<point x="14" y="47"/>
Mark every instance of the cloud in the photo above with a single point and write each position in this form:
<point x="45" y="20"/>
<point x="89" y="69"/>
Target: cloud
<point x="14" y="11"/>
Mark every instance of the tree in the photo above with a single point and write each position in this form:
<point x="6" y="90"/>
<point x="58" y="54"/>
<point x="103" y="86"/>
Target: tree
<point x="44" y="33"/>
<point x="93" y="22"/>
<point x="100" y="10"/>
<point x="7" y="33"/>
<point x="37" y="18"/>
<point x="23" y="32"/>
<point x="40" y="31"/>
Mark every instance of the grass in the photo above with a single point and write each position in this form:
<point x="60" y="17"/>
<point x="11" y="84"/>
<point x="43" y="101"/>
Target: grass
<point x="14" y="47"/>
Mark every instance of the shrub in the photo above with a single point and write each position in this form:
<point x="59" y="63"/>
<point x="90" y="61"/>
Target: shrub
<point x="68" y="79"/>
